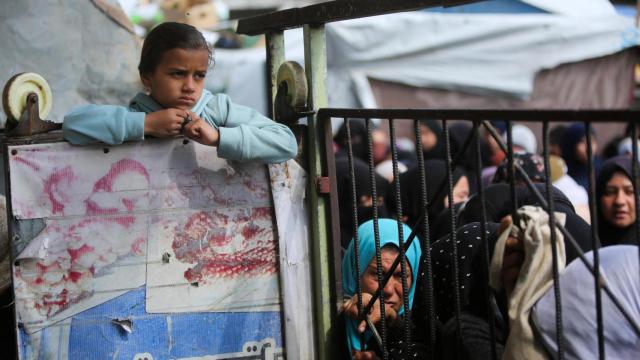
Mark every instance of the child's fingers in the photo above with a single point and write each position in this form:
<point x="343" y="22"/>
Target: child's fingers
<point x="188" y="126"/>
<point x="192" y="131"/>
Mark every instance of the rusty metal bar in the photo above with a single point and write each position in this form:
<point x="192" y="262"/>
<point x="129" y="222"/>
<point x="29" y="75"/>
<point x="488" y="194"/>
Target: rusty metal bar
<point x="334" y="205"/>
<point x="486" y="258"/>
<point x="426" y="241"/>
<point x="275" y="58"/>
<point x="376" y="231"/>
<point x="595" y="242"/>
<point x="554" y="251"/>
<point x="356" y="240"/>
<point x="530" y="115"/>
<point x="454" y="245"/>
<point x="403" y="260"/>
<point x="332" y="11"/>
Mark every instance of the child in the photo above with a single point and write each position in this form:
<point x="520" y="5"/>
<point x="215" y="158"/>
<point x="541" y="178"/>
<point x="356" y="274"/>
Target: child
<point x="173" y="65"/>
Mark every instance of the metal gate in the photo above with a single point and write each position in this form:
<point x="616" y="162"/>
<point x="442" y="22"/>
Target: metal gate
<point x="318" y="157"/>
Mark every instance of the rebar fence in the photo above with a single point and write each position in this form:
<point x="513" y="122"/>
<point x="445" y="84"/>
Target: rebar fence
<point x="432" y="295"/>
<point x="357" y="146"/>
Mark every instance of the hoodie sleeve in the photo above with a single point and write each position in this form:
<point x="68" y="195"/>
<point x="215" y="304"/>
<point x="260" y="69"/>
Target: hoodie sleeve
<point x="102" y="123"/>
<point x="247" y="135"/>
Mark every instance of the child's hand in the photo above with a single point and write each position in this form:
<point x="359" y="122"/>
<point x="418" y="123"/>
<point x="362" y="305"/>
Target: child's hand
<point x="164" y="123"/>
<point x="200" y="131"/>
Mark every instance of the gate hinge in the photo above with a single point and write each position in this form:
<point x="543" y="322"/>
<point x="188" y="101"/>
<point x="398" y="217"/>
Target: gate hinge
<point x="323" y="185"/>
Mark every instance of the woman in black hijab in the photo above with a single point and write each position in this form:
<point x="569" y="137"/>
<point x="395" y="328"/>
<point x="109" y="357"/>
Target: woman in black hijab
<point x="364" y="201"/>
<point x="616" y="210"/>
<point x="431" y="139"/>
<point x="358" y="139"/>
<point x="475" y="340"/>
<point x="437" y="190"/>
<point x="574" y="152"/>
<point x="498" y="205"/>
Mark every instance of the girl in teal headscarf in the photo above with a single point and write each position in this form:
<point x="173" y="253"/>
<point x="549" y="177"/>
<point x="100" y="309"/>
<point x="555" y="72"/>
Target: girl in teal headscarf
<point x="389" y="240"/>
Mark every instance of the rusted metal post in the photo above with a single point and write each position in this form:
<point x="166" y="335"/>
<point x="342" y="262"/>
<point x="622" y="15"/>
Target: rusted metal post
<point x="323" y="278"/>
<point x="275" y="58"/>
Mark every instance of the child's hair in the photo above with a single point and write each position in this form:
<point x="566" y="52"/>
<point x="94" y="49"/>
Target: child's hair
<point x="168" y="36"/>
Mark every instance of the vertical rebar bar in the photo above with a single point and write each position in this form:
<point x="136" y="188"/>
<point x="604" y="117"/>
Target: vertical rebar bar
<point x="426" y="239"/>
<point x="634" y="175"/>
<point x="454" y="245"/>
<point x="512" y="173"/>
<point x="594" y="240"/>
<point x="354" y="208"/>
<point x="554" y="240"/>
<point x="485" y="244"/>
<point x="376" y="232"/>
<point x="403" y="259"/>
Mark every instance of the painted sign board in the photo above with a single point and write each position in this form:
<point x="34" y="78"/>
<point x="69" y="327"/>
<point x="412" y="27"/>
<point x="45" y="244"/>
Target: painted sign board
<point x="153" y="250"/>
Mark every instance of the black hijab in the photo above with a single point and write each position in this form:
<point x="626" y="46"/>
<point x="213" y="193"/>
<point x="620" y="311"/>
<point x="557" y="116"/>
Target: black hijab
<point x="436" y="176"/>
<point x="459" y="132"/>
<point x="437" y="152"/>
<point x="363" y="188"/>
<point x="498" y="204"/>
<point x="358" y="139"/>
<point x="577" y="169"/>
<point x="610" y="234"/>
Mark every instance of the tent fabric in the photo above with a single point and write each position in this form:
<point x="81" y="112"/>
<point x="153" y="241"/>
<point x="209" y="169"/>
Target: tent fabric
<point x="604" y="82"/>
<point x="495" y="56"/>
<point x="485" y="54"/>
<point x="582" y="8"/>
<point x="83" y="54"/>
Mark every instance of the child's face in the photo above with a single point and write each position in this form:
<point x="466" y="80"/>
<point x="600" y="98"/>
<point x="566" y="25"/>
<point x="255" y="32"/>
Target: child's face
<point x="178" y="80"/>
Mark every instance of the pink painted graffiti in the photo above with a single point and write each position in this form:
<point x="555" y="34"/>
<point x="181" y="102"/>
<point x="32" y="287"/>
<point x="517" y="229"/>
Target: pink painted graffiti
<point x="82" y="250"/>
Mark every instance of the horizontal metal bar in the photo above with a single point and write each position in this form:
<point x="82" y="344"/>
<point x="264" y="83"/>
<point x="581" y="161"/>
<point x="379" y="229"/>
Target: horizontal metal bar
<point x="334" y="11"/>
<point x="630" y="115"/>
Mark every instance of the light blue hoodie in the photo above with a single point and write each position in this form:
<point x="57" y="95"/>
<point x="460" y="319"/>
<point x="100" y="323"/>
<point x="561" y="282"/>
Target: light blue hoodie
<point x="245" y="134"/>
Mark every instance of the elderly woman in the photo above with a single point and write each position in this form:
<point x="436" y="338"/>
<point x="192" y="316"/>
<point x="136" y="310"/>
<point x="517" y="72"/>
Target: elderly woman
<point x="617" y="210"/>
<point x="393" y="292"/>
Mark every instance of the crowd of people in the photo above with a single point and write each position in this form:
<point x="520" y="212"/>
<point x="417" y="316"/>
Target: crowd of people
<point x="504" y="293"/>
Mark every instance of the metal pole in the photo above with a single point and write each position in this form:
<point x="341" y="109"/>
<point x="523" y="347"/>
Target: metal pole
<point x="275" y="58"/>
<point x="323" y="278"/>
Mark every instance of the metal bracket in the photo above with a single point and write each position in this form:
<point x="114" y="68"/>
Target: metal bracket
<point x="284" y="112"/>
<point x="30" y="122"/>
<point x="323" y="185"/>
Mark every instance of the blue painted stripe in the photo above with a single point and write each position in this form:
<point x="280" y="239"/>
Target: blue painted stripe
<point x="164" y="336"/>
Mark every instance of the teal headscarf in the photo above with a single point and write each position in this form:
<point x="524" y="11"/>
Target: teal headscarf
<point x="388" y="231"/>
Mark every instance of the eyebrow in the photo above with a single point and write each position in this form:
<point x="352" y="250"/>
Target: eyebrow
<point x="613" y="187"/>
